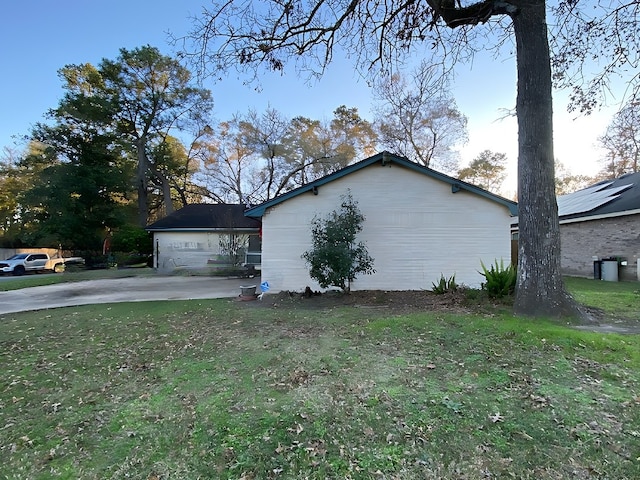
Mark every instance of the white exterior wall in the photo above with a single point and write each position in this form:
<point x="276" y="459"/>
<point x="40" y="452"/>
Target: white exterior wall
<point x="185" y="250"/>
<point x="415" y="229"/>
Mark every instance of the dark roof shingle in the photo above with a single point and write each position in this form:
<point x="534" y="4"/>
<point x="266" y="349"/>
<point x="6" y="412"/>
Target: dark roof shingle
<point x="206" y="216"/>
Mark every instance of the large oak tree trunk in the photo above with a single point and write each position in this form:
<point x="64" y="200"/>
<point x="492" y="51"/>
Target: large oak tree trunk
<point x="540" y="289"/>
<point x="142" y="183"/>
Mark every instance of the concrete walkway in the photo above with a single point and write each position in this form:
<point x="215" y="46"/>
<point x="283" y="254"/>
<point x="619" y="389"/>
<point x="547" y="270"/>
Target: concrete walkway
<point x="131" y="289"/>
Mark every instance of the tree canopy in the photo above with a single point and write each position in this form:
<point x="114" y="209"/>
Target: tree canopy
<point x="487" y="171"/>
<point x="142" y="96"/>
<point x="417" y="118"/>
<point x="621" y="142"/>
<point x="256" y="156"/>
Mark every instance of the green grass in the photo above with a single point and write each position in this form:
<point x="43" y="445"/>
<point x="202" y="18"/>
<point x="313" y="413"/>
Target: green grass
<point x="616" y="298"/>
<point x="36" y="280"/>
<point x="236" y="390"/>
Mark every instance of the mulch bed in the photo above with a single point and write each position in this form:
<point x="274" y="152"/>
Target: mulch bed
<point x="414" y="301"/>
<point x="393" y="301"/>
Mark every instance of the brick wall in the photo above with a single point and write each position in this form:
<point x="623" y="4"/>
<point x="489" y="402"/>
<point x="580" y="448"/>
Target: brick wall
<point x="618" y="236"/>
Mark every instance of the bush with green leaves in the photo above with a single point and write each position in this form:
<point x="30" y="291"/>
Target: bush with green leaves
<point x="500" y="280"/>
<point x="336" y="258"/>
<point x="130" y="239"/>
<point x="445" y="285"/>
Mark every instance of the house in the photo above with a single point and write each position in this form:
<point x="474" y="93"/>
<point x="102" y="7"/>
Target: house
<point x="601" y="221"/>
<point x="203" y="238"/>
<point x="419" y="224"/>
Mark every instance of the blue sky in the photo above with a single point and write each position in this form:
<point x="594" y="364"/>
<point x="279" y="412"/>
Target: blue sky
<point x="38" y="37"/>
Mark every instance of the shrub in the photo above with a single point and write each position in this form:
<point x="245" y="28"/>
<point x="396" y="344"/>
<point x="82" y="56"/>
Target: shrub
<point x="500" y="280"/>
<point x="130" y="239"/>
<point x="445" y="285"/>
<point x="96" y="260"/>
<point x="336" y="258"/>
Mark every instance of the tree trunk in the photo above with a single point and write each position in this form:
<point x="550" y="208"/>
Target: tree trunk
<point x="141" y="183"/>
<point x="166" y="189"/>
<point x="540" y="289"/>
<point x="166" y="195"/>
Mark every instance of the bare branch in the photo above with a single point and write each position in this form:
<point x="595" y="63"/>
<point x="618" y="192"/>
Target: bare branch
<point x="247" y="36"/>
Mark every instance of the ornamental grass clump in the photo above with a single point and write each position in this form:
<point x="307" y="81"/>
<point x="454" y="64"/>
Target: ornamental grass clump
<point x="500" y="280"/>
<point x="445" y="285"/>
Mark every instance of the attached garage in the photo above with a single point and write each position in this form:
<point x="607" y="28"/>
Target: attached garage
<point x="420" y="224"/>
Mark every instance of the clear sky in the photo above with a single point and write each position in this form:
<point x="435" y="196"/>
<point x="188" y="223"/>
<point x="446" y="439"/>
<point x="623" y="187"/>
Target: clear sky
<point x="38" y="37"/>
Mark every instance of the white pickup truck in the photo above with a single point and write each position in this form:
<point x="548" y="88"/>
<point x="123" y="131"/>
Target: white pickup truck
<point x="22" y="263"/>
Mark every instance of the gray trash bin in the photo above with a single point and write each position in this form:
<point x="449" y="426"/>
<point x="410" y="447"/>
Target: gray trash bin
<point x="597" y="269"/>
<point x="610" y="269"/>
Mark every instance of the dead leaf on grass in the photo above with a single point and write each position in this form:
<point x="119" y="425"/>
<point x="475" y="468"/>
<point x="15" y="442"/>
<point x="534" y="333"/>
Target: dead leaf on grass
<point x="496" y="417"/>
<point x="525" y="435"/>
<point x="540" y="401"/>
<point x="298" y="429"/>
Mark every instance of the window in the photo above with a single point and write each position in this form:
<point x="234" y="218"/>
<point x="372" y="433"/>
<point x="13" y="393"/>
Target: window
<point x="254" y="251"/>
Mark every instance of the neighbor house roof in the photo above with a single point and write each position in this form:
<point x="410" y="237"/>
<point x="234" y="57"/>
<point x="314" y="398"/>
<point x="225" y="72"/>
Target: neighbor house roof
<point x="620" y="196"/>
<point x="204" y="217"/>
<point x="383" y="158"/>
<point x="608" y="198"/>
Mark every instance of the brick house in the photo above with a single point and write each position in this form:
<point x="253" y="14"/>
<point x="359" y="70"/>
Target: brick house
<point x="601" y="221"/>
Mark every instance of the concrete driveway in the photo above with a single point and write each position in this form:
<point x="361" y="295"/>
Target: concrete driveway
<point x="130" y="289"/>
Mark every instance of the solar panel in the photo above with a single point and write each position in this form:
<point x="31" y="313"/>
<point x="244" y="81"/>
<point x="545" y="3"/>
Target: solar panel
<point x="589" y="198"/>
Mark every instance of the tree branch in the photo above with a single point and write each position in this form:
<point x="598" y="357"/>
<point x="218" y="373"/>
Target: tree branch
<point x="470" y="15"/>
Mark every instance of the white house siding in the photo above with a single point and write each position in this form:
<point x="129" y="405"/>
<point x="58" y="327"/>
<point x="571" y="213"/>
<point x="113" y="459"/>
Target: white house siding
<point x="416" y="229"/>
<point x="185" y="250"/>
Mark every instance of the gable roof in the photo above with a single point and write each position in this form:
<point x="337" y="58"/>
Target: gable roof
<point x="619" y="196"/>
<point x="206" y="216"/>
<point x="384" y="158"/>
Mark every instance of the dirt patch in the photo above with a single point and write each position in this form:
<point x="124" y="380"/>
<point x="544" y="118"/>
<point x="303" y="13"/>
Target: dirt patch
<point x="392" y="301"/>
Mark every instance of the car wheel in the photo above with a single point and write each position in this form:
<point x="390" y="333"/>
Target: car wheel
<point x="19" y="270"/>
<point x="59" y="268"/>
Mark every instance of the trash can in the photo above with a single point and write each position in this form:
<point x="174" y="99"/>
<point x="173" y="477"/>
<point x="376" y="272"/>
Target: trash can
<point x="597" y="269"/>
<point x="610" y="269"/>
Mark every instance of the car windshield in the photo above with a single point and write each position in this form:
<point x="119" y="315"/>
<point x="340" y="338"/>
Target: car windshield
<point x="18" y="256"/>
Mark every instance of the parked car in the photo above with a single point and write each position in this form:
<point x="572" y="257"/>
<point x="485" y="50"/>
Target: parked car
<point x="22" y="263"/>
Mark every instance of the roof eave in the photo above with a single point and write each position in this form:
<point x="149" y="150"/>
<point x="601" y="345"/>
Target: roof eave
<point x="203" y="229"/>
<point x="384" y="158"/>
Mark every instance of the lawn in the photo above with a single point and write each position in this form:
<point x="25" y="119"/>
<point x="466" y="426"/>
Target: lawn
<point x="244" y="390"/>
<point x="35" y="280"/>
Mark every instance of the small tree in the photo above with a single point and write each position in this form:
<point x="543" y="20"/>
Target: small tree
<point x="336" y="258"/>
<point x="234" y="246"/>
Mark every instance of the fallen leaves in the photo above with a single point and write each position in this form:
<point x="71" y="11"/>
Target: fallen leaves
<point x="282" y="395"/>
<point x="496" y="417"/>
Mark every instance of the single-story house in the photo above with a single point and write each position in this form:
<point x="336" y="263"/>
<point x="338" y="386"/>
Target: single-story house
<point x="601" y="221"/>
<point x="202" y="238"/>
<point x="419" y="225"/>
